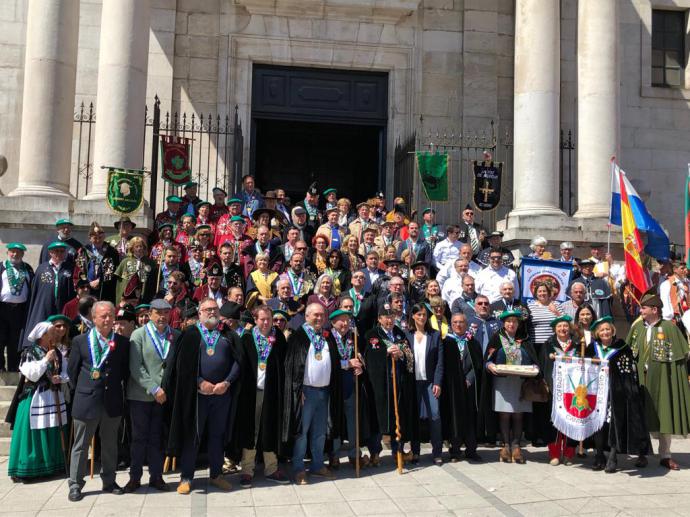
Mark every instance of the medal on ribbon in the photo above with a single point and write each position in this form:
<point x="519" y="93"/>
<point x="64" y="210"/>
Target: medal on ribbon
<point x="263" y="345"/>
<point x="210" y="339"/>
<point x="317" y="341"/>
<point x="99" y="349"/>
<point x="295" y="283"/>
<point x="161" y="342"/>
<point x="16" y="277"/>
<point x="604" y="353"/>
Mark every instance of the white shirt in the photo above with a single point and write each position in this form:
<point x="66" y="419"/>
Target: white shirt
<point x="260" y="378"/>
<point x="317" y="374"/>
<point x="373" y="275"/>
<point x="217" y="296"/>
<point x="420" y="358"/>
<point x="6" y="293"/>
<point x="664" y="293"/>
<point x="452" y="288"/>
<point x="446" y="271"/>
<point x="488" y="282"/>
<point x="446" y="251"/>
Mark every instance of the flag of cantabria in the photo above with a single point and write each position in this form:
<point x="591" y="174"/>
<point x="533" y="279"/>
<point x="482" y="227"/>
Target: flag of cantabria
<point x="433" y="171"/>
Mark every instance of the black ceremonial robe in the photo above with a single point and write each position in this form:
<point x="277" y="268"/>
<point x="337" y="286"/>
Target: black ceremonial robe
<point x="627" y="431"/>
<point x="181" y="388"/>
<point x="269" y="432"/>
<point x="459" y="402"/>
<point x="48" y="296"/>
<point x="295" y="361"/>
<point x="378" y="367"/>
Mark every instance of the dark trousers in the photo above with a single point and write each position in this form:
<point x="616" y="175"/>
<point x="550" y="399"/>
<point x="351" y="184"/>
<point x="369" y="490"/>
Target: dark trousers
<point x="12" y="320"/>
<point x="429" y="409"/>
<point x="83" y="432"/>
<point x="147" y="426"/>
<point x="212" y="413"/>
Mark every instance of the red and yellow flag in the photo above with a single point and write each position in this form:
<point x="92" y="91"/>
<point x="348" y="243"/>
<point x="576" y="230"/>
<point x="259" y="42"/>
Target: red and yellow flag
<point x="632" y="244"/>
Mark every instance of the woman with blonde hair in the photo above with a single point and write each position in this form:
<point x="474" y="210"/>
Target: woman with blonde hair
<point x="136" y="274"/>
<point x="261" y="282"/>
<point x="352" y="260"/>
<point x="344" y="214"/>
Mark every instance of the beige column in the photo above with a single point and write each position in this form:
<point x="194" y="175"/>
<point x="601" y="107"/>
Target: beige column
<point x="536" y="112"/>
<point x="598" y="114"/>
<point x="50" y="74"/>
<point x="121" y="96"/>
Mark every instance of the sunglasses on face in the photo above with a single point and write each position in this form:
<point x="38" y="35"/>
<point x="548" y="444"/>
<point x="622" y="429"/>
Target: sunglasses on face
<point x="482" y="303"/>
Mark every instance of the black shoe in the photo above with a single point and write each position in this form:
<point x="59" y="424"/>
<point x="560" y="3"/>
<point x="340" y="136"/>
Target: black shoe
<point x="599" y="463"/>
<point x="75" y="494"/>
<point x="131" y="486"/>
<point x="114" y="489"/>
<point x="611" y="464"/>
<point x="641" y="462"/>
<point x="473" y="457"/>
<point x="159" y="485"/>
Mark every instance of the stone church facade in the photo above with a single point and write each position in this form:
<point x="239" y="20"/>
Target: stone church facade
<point x="608" y="71"/>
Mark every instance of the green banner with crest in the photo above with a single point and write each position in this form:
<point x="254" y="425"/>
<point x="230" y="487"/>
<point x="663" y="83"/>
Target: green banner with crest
<point x="125" y="190"/>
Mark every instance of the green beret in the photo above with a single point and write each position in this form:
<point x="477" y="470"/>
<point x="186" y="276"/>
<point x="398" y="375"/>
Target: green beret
<point x="509" y="314"/>
<point x="63" y="221"/>
<point x="339" y="312"/>
<point x="328" y="191"/>
<point x="556" y="321"/>
<point x="142" y="307"/>
<point x="57" y="245"/>
<point x="165" y="225"/>
<point x="59" y="317"/>
<point x="237" y="218"/>
<point x="603" y="319"/>
<point x="282" y="314"/>
<point x="190" y="184"/>
<point x="16" y="246"/>
<point x="202" y="203"/>
<point x="427" y="210"/>
<point x="173" y="199"/>
<point x="233" y="200"/>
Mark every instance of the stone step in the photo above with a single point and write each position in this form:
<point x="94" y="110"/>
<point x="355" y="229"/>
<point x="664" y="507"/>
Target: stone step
<point x="5" y="446"/>
<point x="9" y="378"/>
<point x="4" y="407"/>
<point x="7" y="392"/>
<point x="5" y="431"/>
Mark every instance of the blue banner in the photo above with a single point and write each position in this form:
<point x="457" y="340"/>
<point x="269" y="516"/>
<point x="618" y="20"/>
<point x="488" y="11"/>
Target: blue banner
<point x="554" y="273"/>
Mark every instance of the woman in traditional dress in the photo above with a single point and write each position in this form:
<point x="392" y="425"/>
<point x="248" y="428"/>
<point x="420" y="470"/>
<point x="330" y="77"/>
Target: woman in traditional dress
<point x="136" y="264"/>
<point x="261" y="282"/>
<point x="323" y="294"/>
<point x="63" y="325"/>
<point x="501" y="395"/>
<point x="340" y="276"/>
<point x="38" y="441"/>
<point x="625" y="430"/>
<point x="562" y="343"/>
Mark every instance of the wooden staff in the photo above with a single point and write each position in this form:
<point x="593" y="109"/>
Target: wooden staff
<point x="93" y="454"/>
<point x="357" y="453"/>
<point x="160" y="264"/>
<point x="166" y="465"/>
<point x="583" y="345"/>
<point x="56" y="400"/>
<point x="398" y="434"/>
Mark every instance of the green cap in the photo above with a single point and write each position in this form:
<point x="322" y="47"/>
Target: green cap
<point x="62" y="221"/>
<point x="57" y="245"/>
<point x="328" y="191"/>
<point x="427" y="210"/>
<point x="173" y="199"/>
<point x="282" y="314"/>
<point x="234" y="200"/>
<point x="509" y="314"/>
<point x="59" y="317"/>
<point x="603" y="319"/>
<point x="339" y="312"/>
<point x="556" y="321"/>
<point x="203" y="203"/>
<point x="142" y="307"/>
<point x="190" y="184"/>
<point x="16" y="246"/>
<point x="165" y="225"/>
<point x="203" y="228"/>
<point x="237" y="218"/>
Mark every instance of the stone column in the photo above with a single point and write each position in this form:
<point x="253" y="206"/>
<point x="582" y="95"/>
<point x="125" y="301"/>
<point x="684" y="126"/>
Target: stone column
<point x="598" y="112"/>
<point x="121" y="96"/>
<point x="50" y="75"/>
<point x="536" y="115"/>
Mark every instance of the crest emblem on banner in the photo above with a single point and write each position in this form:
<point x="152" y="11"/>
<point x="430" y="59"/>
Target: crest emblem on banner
<point x="175" y="159"/>
<point x="125" y="190"/>
<point x="487" y="184"/>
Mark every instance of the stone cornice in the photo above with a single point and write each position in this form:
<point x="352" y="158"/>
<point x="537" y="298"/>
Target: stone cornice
<point x="381" y="11"/>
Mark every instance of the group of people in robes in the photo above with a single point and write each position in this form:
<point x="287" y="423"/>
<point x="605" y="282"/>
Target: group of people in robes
<point x="248" y="331"/>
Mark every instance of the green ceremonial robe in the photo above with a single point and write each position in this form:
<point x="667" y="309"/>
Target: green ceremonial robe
<point x="663" y="376"/>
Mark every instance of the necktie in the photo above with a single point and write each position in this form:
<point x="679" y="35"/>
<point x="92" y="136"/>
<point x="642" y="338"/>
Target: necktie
<point x="474" y="240"/>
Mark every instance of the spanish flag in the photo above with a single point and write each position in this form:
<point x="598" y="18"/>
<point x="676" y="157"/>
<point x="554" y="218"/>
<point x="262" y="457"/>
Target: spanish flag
<point x="632" y="242"/>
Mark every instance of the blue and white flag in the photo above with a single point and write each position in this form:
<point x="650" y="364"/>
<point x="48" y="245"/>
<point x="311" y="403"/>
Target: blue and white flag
<point x="554" y="273"/>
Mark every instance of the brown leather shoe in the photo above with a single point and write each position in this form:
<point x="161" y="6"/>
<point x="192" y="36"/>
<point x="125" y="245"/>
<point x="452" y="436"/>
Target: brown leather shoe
<point x="363" y="461"/>
<point x="669" y="464"/>
<point x="504" y="455"/>
<point x="517" y="456"/>
<point x="301" y="478"/>
<point x="375" y="460"/>
<point x="323" y="472"/>
<point x="334" y="463"/>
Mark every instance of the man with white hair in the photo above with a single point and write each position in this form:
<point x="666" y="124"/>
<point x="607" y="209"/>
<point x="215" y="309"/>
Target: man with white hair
<point x="473" y="268"/>
<point x="578" y="293"/>
<point x="452" y="287"/>
<point x="312" y="393"/>
<point x="98" y="369"/>
<point x="488" y="281"/>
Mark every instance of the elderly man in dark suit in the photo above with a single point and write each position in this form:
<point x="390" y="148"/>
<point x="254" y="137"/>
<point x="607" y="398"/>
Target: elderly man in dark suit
<point x="98" y="369"/>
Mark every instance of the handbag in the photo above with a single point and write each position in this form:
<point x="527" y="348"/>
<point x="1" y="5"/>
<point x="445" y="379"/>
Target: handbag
<point x="534" y="390"/>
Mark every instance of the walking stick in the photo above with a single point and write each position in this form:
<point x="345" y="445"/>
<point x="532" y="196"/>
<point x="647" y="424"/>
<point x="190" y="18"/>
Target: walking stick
<point x="398" y="435"/>
<point x="356" y="411"/>
<point x="166" y="465"/>
<point x="158" y="277"/>
<point x="56" y="400"/>
<point x="93" y="454"/>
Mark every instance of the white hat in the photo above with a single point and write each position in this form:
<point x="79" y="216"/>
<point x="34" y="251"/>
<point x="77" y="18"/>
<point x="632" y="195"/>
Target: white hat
<point x="39" y="331"/>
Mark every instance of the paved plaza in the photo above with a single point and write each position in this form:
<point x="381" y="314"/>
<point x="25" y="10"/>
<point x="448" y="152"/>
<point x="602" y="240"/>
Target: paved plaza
<point x="461" y="488"/>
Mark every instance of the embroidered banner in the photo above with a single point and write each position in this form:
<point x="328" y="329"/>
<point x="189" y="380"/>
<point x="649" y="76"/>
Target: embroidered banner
<point x="125" y="190"/>
<point x="175" y="159"/>
<point x="554" y="273"/>
<point x="580" y="397"/>
<point x="487" y="185"/>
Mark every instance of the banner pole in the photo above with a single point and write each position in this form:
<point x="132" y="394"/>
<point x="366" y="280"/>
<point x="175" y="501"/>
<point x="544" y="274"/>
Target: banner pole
<point x="613" y="175"/>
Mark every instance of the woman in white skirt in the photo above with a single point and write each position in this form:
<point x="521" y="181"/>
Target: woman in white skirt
<point x="505" y="348"/>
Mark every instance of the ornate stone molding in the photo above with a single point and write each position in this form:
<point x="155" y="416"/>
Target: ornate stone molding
<point x="381" y="11"/>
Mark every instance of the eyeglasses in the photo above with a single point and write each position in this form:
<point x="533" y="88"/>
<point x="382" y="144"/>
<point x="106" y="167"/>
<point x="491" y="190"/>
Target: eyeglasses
<point x="482" y="303"/>
<point x="210" y="310"/>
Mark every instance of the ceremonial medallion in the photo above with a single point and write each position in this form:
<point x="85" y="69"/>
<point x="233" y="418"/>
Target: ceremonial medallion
<point x="95" y="375"/>
<point x="318" y="356"/>
<point x="262" y="366"/>
<point x="210" y="351"/>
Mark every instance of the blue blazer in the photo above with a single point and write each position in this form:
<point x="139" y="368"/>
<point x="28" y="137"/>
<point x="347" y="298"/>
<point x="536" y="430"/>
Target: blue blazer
<point x="434" y="355"/>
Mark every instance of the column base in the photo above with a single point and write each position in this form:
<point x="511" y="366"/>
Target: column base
<point x="94" y="196"/>
<point x="595" y="212"/>
<point x="39" y="191"/>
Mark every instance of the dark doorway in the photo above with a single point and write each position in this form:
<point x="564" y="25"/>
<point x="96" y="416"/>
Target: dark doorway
<point x="292" y="155"/>
<point x="311" y="124"/>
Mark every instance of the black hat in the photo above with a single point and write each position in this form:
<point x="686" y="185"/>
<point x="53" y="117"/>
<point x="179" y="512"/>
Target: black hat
<point x="586" y="262"/>
<point x="124" y="219"/>
<point x="82" y="282"/>
<point x="468" y="207"/>
<point x="247" y="317"/>
<point x="190" y="311"/>
<point x="313" y="190"/>
<point x="380" y="195"/>
<point x="419" y="263"/>
<point x="259" y="211"/>
<point x="390" y="262"/>
<point x="495" y="233"/>
<point x="214" y="269"/>
<point x="385" y="310"/>
<point x="231" y="310"/>
<point x="126" y="312"/>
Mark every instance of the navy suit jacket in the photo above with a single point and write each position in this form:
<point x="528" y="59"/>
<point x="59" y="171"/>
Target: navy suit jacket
<point x="434" y="355"/>
<point x="368" y="284"/>
<point x="91" y="396"/>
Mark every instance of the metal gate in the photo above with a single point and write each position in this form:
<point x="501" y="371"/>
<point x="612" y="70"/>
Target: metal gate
<point x="216" y="144"/>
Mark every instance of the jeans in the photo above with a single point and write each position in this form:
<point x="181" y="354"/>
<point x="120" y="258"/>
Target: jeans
<point x="349" y="409"/>
<point x="314" y="426"/>
<point x="147" y="427"/>
<point x="212" y="411"/>
<point x="429" y="409"/>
